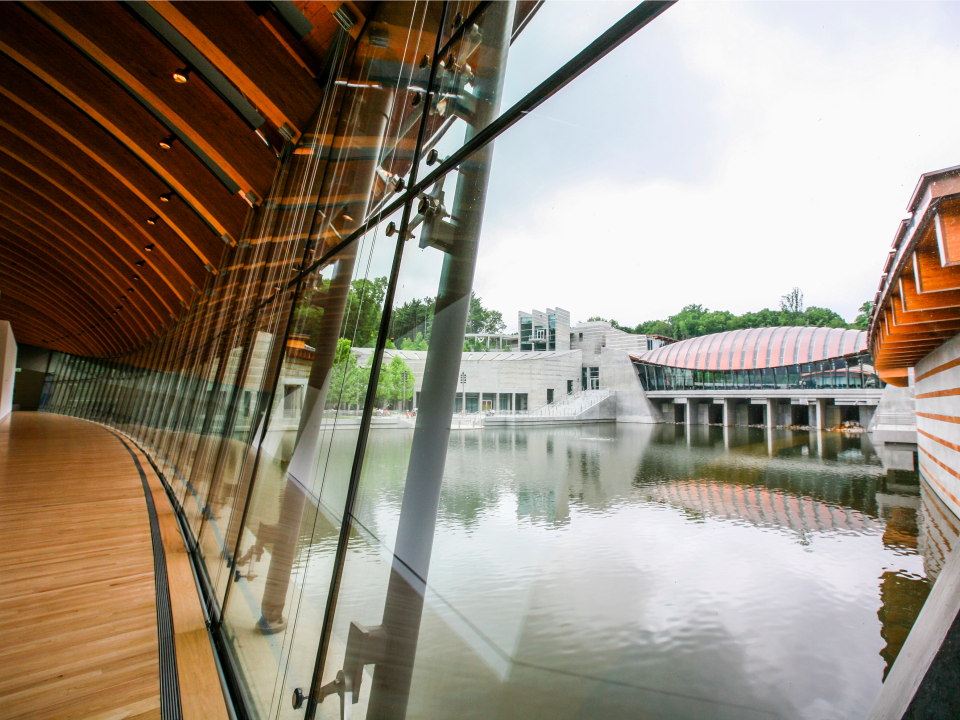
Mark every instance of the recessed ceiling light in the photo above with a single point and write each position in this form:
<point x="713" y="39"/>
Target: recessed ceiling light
<point x="181" y="76"/>
<point x="153" y="220"/>
<point x="167" y="142"/>
<point x="166" y="196"/>
<point x="149" y="248"/>
<point x="140" y="263"/>
<point x="129" y="290"/>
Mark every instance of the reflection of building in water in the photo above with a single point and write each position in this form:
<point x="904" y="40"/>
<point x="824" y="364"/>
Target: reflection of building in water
<point x="901" y="593"/>
<point x="938" y="531"/>
<point x="763" y="506"/>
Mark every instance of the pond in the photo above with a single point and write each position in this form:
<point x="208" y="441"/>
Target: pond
<point x="623" y="571"/>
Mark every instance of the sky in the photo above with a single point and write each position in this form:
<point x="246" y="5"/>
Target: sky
<point x="723" y="155"/>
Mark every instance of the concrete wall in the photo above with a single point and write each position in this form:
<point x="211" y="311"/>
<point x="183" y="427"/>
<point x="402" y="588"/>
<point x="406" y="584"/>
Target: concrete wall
<point x="8" y="367"/>
<point x="937" y="422"/>
<point x="532" y="373"/>
<point x="598" y="335"/>
<point x="895" y="417"/>
<point x="618" y="373"/>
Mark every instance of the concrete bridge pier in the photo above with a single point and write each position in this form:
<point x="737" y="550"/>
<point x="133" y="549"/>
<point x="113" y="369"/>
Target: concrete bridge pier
<point x="691" y="412"/>
<point x="729" y="416"/>
<point x="771" y="412"/>
<point x="822" y="414"/>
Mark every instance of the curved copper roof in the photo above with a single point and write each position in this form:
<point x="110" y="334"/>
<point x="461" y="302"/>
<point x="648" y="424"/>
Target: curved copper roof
<point x="757" y="348"/>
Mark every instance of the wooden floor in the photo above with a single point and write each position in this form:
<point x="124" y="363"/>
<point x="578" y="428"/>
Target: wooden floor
<point x="78" y="617"/>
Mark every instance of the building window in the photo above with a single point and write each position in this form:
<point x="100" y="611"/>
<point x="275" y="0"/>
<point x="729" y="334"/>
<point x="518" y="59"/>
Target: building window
<point x="489" y="400"/>
<point x="594" y="378"/>
<point x="541" y="333"/>
<point x="473" y="402"/>
<point x="569" y="386"/>
<point x="521" y="402"/>
<point x="506" y="402"/>
<point x="549" y="395"/>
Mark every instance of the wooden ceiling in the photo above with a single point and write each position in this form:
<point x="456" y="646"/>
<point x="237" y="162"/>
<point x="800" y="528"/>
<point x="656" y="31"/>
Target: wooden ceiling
<point x="917" y="307"/>
<point x="104" y="235"/>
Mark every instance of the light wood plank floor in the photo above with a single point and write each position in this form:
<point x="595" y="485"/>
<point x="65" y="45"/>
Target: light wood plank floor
<point x="78" y="627"/>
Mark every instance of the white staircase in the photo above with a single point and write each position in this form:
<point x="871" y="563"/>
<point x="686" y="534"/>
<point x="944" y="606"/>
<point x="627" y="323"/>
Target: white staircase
<point x="571" y="405"/>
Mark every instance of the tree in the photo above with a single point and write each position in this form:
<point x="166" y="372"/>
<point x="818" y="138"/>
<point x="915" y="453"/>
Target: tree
<point x="345" y="380"/>
<point x="482" y="320"/>
<point x="863" y="319"/>
<point x="413" y="319"/>
<point x="363" y="311"/>
<point x="416" y="344"/>
<point x="696" y="320"/>
<point x="390" y="387"/>
<point x="792" y="302"/>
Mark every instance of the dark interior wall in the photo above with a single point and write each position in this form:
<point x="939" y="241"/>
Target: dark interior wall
<point x="31" y="357"/>
<point x="27" y="388"/>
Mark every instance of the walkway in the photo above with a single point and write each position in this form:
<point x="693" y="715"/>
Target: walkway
<point x="78" y="606"/>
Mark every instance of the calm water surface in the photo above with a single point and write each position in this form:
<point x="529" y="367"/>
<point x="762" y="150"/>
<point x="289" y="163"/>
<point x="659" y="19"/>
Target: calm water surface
<point x="619" y="571"/>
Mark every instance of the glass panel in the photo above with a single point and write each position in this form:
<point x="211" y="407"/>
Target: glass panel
<point x="274" y="614"/>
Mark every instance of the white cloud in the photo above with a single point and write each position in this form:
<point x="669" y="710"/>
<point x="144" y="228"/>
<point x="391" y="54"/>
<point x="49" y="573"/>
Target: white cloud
<point x="819" y="144"/>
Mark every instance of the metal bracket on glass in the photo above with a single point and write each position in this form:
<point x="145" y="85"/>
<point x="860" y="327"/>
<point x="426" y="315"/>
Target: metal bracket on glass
<point x="364" y="647"/>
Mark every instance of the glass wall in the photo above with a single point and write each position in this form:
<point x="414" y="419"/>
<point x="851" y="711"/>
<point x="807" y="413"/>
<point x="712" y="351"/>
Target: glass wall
<point x="854" y="371"/>
<point x="325" y="547"/>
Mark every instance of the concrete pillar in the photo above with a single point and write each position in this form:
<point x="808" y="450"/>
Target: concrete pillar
<point x="821" y="414"/>
<point x="8" y="367"/>
<point x="728" y="412"/>
<point x="771" y="413"/>
<point x="691" y="412"/>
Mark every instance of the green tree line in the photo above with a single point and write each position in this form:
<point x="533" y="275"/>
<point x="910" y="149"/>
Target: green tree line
<point x="696" y="320"/>
<point x="410" y="323"/>
<point x="348" y="384"/>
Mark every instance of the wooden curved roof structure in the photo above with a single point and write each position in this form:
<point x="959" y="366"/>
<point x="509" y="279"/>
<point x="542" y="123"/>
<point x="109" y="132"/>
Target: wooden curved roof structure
<point x="917" y="306"/>
<point x="758" y="348"/>
<point x="136" y="137"/>
<point x="120" y="185"/>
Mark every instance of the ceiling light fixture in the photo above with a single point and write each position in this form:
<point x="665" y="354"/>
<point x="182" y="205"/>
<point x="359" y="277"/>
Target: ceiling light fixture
<point x="167" y="142"/>
<point x="166" y="196"/>
<point x="149" y="248"/>
<point x="130" y="290"/>
<point x="139" y="263"/>
<point x="153" y="220"/>
<point x="181" y="76"/>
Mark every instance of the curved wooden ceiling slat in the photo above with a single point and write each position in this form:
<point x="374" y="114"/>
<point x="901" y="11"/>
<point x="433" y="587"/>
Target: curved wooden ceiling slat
<point x="37" y="328"/>
<point x="94" y="154"/>
<point x="21" y="198"/>
<point x="109" y="223"/>
<point x="245" y="50"/>
<point x="81" y="318"/>
<point x="97" y="199"/>
<point x="39" y="50"/>
<point x="142" y="315"/>
<point x="128" y="50"/>
<point x="70" y="318"/>
<point x="40" y="257"/>
<point x="12" y="215"/>
<point x="86" y="94"/>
